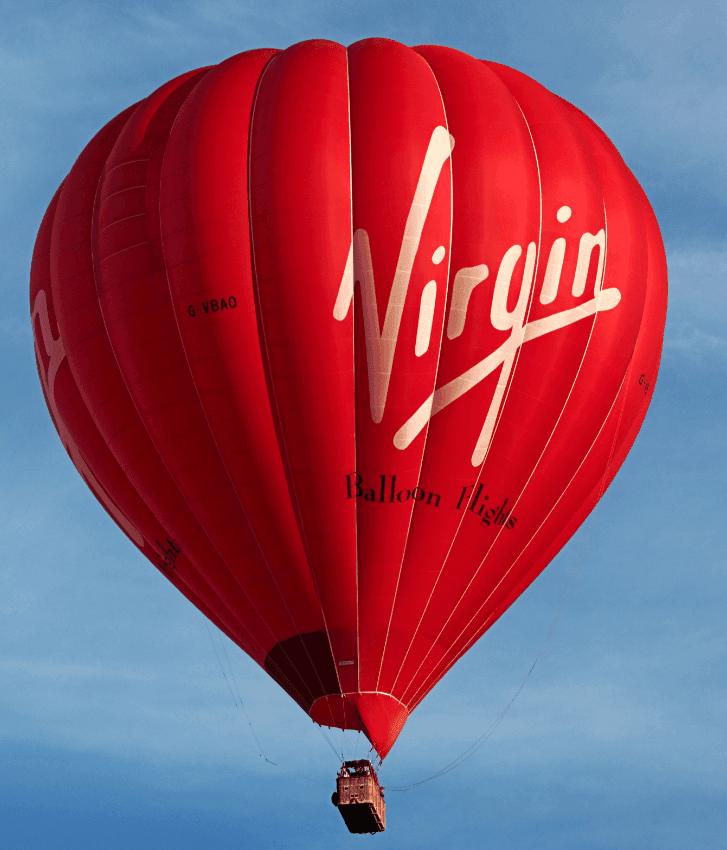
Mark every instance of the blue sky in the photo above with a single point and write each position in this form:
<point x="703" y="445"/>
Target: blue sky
<point x="117" y="728"/>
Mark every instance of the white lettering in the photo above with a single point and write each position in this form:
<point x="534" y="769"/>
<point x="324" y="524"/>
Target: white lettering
<point x="56" y="353"/>
<point x="606" y="299"/>
<point x="381" y="343"/>
<point x="585" y="249"/>
<point x="464" y="283"/>
<point x="426" y="318"/>
<point x="552" y="272"/>
<point x="502" y="319"/>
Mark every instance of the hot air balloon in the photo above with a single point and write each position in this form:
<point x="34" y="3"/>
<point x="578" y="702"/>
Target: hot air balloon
<point x="349" y="342"/>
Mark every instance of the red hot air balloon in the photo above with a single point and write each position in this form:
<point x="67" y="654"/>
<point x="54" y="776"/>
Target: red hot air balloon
<point x="349" y="342"/>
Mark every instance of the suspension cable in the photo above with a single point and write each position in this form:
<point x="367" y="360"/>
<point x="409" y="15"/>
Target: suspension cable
<point x="330" y="743"/>
<point x="239" y="695"/>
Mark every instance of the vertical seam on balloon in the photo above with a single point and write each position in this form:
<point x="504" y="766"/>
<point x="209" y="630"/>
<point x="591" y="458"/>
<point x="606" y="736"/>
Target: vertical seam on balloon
<point x="434" y="384"/>
<point x="532" y="474"/>
<point x="126" y="161"/>
<point x="175" y="579"/>
<point x="353" y="370"/>
<point x="499" y="415"/>
<point x="171" y="304"/>
<point x="56" y="354"/>
<point x="94" y="220"/>
<point x="204" y="413"/>
<point x="601" y="486"/>
<point x="626" y="437"/>
<point x="305" y="648"/>
<point x="209" y="428"/>
<point x="271" y="385"/>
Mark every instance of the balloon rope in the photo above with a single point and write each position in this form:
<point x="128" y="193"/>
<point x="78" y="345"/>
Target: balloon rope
<point x="327" y="739"/>
<point x="239" y="695"/>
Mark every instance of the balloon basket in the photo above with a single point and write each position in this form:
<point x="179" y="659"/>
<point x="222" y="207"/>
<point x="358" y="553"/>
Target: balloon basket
<point x="359" y="797"/>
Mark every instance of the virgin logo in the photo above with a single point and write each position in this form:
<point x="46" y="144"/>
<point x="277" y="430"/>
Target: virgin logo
<point x="381" y="342"/>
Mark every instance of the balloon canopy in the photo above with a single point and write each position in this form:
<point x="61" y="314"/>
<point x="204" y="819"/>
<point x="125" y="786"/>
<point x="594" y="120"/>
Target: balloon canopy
<point x="349" y="342"/>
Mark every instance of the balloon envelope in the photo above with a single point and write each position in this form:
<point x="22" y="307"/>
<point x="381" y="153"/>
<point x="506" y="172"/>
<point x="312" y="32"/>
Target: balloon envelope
<point x="349" y="342"/>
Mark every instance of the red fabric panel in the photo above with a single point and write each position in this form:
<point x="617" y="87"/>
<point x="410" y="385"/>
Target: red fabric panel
<point x="402" y="213"/>
<point x="82" y="440"/>
<point x="205" y="236"/>
<point x="300" y="209"/>
<point x="140" y="322"/>
<point x="492" y="160"/>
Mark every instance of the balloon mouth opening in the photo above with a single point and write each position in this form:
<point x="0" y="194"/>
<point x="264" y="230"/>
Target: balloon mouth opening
<point x="380" y="716"/>
<point x="304" y="667"/>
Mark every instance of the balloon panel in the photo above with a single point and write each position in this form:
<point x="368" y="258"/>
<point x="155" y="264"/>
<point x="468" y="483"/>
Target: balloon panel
<point x="349" y="342"/>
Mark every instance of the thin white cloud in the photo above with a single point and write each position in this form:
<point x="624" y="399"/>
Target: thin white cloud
<point x="697" y="318"/>
<point x="694" y="342"/>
